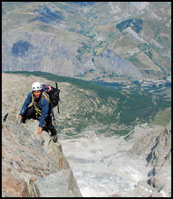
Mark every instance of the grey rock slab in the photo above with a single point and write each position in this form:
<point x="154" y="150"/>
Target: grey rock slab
<point x="59" y="184"/>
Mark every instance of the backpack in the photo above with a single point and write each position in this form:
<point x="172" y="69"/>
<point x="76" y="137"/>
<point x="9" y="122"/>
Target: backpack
<point x="53" y="94"/>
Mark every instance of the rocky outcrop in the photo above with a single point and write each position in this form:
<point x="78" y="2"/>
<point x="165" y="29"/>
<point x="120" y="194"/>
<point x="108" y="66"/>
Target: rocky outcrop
<point x="32" y="167"/>
<point x="58" y="184"/>
<point x="155" y="147"/>
<point x="160" y="159"/>
<point x="32" y="164"/>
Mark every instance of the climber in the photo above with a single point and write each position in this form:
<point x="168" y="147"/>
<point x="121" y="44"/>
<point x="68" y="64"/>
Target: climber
<point x="40" y="110"/>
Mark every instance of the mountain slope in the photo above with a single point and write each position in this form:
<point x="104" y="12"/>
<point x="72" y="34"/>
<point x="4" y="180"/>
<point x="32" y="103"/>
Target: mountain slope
<point x="85" y="104"/>
<point x="88" y="113"/>
<point x="32" y="165"/>
<point x="94" y="41"/>
<point x="155" y="146"/>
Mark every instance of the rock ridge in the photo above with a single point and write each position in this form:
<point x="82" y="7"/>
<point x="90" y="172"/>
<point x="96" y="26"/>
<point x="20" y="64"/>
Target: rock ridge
<point x="32" y="165"/>
<point x="155" y="147"/>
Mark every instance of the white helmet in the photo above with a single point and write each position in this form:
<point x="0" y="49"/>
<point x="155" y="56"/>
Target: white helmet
<point x="36" y="86"/>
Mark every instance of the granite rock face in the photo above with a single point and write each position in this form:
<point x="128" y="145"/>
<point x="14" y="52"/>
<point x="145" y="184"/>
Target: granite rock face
<point x="54" y="185"/>
<point x="155" y="147"/>
<point x="32" y="164"/>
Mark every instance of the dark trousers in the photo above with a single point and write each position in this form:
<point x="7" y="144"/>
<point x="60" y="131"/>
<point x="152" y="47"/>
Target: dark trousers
<point x="31" y="113"/>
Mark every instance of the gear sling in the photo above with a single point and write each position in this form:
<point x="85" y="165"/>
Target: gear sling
<point x="51" y="95"/>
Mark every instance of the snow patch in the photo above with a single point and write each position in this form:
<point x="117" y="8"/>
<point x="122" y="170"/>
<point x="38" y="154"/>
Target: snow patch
<point x="114" y="9"/>
<point x="140" y="5"/>
<point x="135" y="35"/>
<point x="156" y="43"/>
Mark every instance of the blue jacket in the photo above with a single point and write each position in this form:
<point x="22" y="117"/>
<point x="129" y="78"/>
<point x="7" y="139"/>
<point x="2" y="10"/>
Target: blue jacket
<point x="44" y="107"/>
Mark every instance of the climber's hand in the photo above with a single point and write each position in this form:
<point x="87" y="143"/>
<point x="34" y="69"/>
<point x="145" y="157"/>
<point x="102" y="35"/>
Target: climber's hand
<point x="19" y="119"/>
<point x="39" y="130"/>
<point x="20" y="116"/>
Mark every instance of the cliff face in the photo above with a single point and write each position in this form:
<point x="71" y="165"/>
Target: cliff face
<point x="32" y="165"/>
<point x="155" y="147"/>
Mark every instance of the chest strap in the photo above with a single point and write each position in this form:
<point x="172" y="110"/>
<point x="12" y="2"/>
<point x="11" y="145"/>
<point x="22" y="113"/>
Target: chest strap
<point x="38" y="111"/>
<point x="44" y="95"/>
